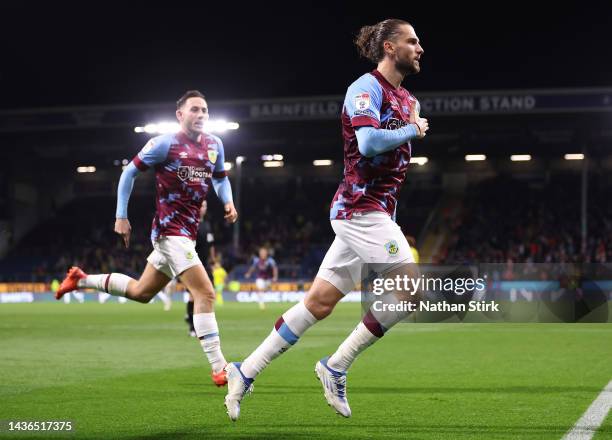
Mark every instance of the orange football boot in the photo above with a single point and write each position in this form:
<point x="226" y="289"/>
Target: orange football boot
<point x="70" y="282"/>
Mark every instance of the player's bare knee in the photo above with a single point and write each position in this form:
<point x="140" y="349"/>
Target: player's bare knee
<point x="205" y="295"/>
<point x="325" y="310"/>
<point x="210" y="296"/>
<point x="320" y="309"/>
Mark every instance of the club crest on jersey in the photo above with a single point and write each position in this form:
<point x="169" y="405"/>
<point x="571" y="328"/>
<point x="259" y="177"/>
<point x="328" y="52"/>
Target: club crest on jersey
<point x="183" y="173"/>
<point x="392" y="247"/>
<point x="362" y="101"/>
<point x="393" y="124"/>
<point x="183" y="155"/>
<point x="212" y="155"/>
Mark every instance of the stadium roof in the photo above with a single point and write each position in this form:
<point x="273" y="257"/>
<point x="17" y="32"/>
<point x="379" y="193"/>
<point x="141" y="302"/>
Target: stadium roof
<point x="307" y="128"/>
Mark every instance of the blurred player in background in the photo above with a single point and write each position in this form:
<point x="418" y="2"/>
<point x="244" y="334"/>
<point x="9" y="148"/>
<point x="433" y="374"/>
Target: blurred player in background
<point x="205" y="243"/>
<point x="219" y="277"/>
<point x="103" y="297"/>
<point x="189" y="315"/>
<point x="166" y="294"/>
<point x="186" y="164"/>
<point x="266" y="273"/>
<point x="379" y="119"/>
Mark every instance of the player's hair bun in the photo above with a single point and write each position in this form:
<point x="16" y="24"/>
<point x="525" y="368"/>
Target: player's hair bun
<point x="364" y="42"/>
<point x="370" y="39"/>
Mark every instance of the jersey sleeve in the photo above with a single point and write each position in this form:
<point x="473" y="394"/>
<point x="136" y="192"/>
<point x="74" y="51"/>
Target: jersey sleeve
<point x="272" y="262"/>
<point x="363" y="102"/>
<point x="154" y="152"/>
<point x="219" y="172"/>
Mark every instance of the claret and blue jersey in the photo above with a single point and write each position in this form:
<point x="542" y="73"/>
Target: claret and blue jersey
<point x="372" y="183"/>
<point x="184" y="169"/>
<point x="264" y="268"/>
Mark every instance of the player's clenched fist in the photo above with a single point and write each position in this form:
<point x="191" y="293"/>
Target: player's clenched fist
<point x="230" y="213"/>
<point x="123" y="228"/>
<point x="422" y="126"/>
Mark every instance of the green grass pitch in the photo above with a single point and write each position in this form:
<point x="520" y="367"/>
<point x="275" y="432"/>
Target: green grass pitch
<point x="131" y="371"/>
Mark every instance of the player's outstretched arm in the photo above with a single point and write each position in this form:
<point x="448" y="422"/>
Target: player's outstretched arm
<point x="124" y="190"/>
<point x="154" y="152"/>
<point x="222" y="185"/>
<point x="223" y="188"/>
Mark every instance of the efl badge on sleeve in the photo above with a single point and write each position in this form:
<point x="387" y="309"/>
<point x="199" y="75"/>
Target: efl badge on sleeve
<point x="212" y="155"/>
<point x="362" y="101"/>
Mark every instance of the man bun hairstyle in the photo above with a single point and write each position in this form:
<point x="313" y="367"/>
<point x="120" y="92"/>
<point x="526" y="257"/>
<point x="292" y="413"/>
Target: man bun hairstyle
<point x="370" y="39"/>
<point x="189" y="94"/>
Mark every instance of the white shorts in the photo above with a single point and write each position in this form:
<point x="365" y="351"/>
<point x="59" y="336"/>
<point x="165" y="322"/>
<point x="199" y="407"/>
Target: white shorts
<point x="173" y="255"/>
<point x="263" y="284"/>
<point x="368" y="238"/>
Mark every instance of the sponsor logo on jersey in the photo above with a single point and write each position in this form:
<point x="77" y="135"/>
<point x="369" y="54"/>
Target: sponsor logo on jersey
<point x="369" y="113"/>
<point x="212" y="155"/>
<point x="193" y="174"/>
<point x="183" y="155"/>
<point x="392" y="247"/>
<point x="362" y="101"/>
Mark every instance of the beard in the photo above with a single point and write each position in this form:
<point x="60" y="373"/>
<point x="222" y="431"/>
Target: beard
<point x="407" y="68"/>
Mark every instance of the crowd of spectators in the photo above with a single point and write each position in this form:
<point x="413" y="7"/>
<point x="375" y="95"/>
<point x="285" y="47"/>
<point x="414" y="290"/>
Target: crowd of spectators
<point x="501" y="221"/>
<point x="291" y="218"/>
<point x="504" y="220"/>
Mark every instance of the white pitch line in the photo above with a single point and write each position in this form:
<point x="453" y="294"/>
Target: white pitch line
<point x="587" y="425"/>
